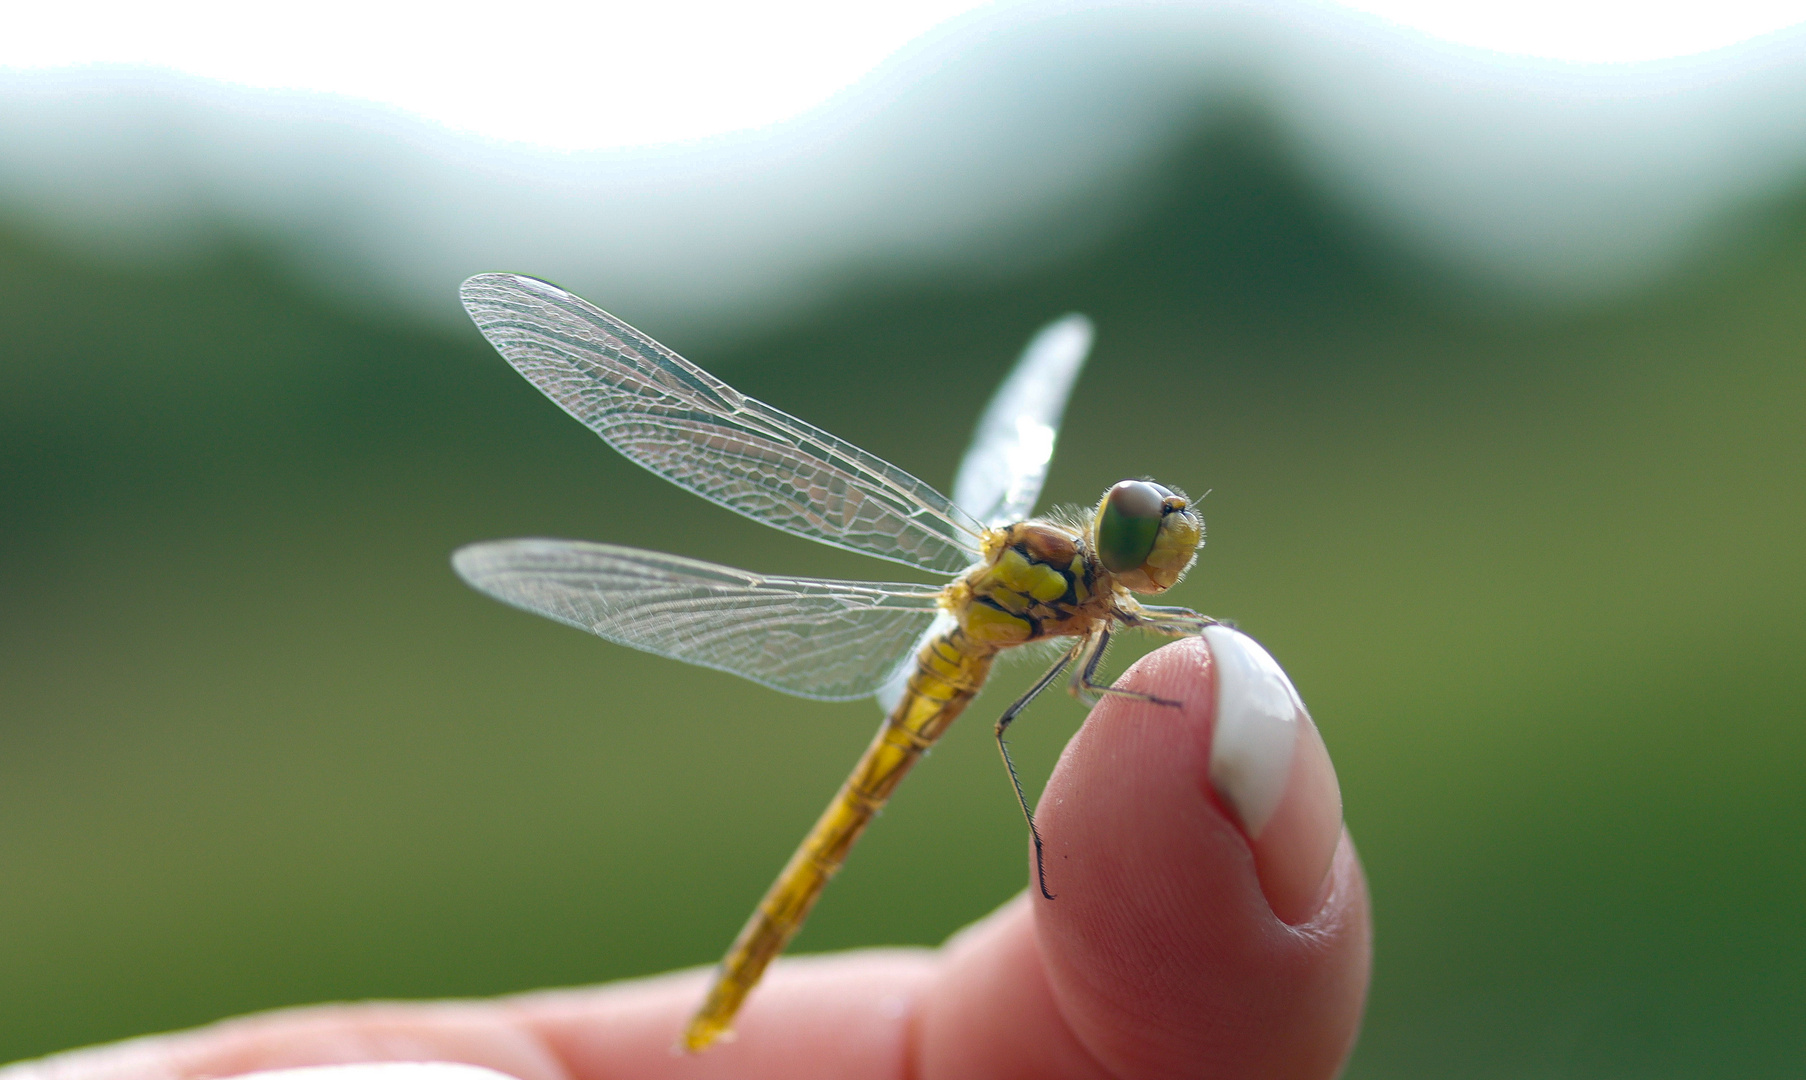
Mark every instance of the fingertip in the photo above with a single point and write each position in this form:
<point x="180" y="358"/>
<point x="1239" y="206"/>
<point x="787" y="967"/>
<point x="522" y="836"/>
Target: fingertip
<point x="1175" y="937"/>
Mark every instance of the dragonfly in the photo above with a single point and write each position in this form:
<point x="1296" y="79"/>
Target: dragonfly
<point x="1068" y="578"/>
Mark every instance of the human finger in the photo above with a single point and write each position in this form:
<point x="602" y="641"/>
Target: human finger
<point x="1210" y="914"/>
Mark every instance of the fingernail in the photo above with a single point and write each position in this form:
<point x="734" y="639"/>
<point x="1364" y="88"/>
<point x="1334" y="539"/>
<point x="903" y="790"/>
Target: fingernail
<point x="1269" y="765"/>
<point x="382" y="1070"/>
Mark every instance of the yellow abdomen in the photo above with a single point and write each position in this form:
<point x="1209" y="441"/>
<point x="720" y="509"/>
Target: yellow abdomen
<point x="949" y="670"/>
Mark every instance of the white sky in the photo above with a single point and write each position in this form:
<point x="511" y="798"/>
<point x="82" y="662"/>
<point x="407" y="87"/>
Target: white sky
<point x="604" y="73"/>
<point x="1591" y="30"/>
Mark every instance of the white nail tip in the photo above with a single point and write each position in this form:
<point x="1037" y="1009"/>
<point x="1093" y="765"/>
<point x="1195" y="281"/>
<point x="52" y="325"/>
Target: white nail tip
<point x="382" y="1070"/>
<point x="1256" y="727"/>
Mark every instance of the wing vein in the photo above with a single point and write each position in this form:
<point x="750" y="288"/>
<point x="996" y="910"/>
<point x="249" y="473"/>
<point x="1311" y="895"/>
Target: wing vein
<point x="679" y="421"/>
<point x="836" y="640"/>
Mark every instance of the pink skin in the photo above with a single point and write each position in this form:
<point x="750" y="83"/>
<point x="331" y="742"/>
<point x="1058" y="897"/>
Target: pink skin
<point x="1161" y="956"/>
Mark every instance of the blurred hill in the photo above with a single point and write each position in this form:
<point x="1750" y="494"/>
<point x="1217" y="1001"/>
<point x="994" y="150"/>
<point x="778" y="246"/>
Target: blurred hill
<point x="1536" y="571"/>
<point x="1548" y="182"/>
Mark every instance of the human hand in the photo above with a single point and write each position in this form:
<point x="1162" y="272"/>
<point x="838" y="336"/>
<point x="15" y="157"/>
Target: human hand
<point x="1162" y="956"/>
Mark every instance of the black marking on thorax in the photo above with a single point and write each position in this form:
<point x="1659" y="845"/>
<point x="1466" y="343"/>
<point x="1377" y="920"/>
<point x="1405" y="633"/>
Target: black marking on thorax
<point x="1040" y="556"/>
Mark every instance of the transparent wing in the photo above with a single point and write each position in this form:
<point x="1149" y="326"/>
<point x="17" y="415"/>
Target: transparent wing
<point x="696" y="431"/>
<point x="1001" y="475"/>
<point x="835" y="640"/>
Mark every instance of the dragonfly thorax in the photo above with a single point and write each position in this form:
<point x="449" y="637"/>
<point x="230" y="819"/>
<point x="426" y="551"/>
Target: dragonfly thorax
<point x="1038" y="580"/>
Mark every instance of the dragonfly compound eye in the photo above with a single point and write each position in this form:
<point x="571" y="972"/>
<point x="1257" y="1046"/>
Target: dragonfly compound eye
<point x="1146" y="535"/>
<point x="1128" y="521"/>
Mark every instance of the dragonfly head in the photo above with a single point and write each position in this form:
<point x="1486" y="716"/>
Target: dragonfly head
<point x="1145" y="534"/>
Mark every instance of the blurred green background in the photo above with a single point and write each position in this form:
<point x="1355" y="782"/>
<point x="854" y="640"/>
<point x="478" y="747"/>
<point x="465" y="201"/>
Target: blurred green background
<point x="1537" y="570"/>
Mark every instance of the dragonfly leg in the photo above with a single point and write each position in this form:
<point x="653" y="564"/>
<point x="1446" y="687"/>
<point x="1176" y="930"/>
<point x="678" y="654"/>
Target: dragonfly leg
<point x="1003" y="725"/>
<point x="1085" y="686"/>
<point x="1172" y="621"/>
